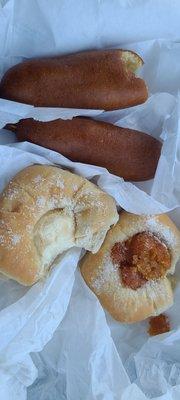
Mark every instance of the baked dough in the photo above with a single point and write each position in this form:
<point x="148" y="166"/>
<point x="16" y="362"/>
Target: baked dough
<point x="104" y="277"/>
<point x="44" y="211"/>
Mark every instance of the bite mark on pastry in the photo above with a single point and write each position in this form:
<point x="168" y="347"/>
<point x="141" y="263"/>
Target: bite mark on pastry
<point x="45" y="211"/>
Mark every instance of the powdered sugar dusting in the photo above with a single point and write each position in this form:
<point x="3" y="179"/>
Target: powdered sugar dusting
<point x="53" y="203"/>
<point x="161" y="231"/>
<point x="15" y="239"/>
<point x="93" y="199"/>
<point x="60" y="183"/>
<point x="159" y="290"/>
<point x="1" y="239"/>
<point x="40" y="202"/>
<point x="75" y="187"/>
<point x="91" y="203"/>
<point x="29" y="228"/>
<point x="11" y="193"/>
<point x="107" y="278"/>
<point x="38" y="179"/>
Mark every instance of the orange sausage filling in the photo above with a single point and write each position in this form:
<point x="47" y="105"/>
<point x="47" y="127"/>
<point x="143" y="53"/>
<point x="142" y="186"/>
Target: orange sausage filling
<point x="141" y="258"/>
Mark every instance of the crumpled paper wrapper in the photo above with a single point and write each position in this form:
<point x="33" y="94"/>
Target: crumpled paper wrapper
<point x="56" y="341"/>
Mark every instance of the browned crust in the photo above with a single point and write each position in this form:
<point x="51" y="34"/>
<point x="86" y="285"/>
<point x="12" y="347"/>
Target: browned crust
<point x="128" y="153"/>
<point x="93" y="79"/>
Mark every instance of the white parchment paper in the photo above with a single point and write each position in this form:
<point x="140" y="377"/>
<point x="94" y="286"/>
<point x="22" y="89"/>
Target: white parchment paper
<point x="56" y="341"/>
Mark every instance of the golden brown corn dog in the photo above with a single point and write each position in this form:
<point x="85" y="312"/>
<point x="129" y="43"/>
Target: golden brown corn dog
<point x="128" y="153"/>
<point x="102" y="79"/>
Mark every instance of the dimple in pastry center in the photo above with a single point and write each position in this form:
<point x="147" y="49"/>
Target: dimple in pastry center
<point x="141" y="258"/>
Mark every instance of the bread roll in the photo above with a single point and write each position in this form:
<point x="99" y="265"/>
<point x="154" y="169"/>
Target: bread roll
<point x="131" y="154"/>
<point x="101" y="79"/>
<point x="44" y="211"/>
<point x="112" y="281"/>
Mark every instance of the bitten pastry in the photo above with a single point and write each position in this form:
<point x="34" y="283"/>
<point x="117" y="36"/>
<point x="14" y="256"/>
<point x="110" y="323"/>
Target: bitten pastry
<point x="129" y="274"/>
<point x="44" y="211"/>
<point x="103" y="79"/>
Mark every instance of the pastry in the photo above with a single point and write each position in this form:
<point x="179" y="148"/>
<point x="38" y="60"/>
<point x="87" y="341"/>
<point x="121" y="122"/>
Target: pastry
<point x="44" y="211"/>
<point x="130" y="273"/>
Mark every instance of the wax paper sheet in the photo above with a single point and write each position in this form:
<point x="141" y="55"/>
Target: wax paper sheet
<point x="56" y="341"/>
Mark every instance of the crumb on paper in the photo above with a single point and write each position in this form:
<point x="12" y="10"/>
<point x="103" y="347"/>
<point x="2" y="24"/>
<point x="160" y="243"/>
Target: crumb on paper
<point x="158" y="325"/>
